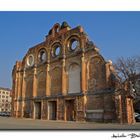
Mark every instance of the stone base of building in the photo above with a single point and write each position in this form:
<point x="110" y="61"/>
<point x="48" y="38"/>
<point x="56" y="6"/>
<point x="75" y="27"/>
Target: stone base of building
<point x="103" y="107"/>
<point x="69" y="108"/>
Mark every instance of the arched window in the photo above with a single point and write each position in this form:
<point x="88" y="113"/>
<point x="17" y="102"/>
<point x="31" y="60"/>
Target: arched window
<point x="42" y="55"/>
<point x="56" y="50"/>
<point x="56" y="81"/>
<point x="74" y="79"/>
<point x="29" y="87"/>
<point x="74" y="44"/>
<point x="30" y="60"/>
<point x="41" y="84"/>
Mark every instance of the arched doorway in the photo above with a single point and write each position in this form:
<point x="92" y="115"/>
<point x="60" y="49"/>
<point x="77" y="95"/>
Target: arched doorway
<point x="74" y="79"/>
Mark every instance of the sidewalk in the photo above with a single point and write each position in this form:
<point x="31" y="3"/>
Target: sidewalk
<point x="30" y="124"/>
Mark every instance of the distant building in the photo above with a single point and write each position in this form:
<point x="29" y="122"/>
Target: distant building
<point x="66" y="78"/>
<point x="5" y="100"/>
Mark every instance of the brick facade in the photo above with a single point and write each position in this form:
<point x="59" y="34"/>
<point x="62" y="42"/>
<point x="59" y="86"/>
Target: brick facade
<point x="66" y="78"/>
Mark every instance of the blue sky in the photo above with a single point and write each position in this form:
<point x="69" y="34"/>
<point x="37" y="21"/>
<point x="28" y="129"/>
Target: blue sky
<point x="115" y="33"/>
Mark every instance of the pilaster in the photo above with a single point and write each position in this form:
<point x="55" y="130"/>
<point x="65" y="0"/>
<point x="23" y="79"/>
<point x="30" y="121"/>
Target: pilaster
<point x="16" y="85"/>
<point x="18" y="92"/>
<point x="119" y="108"/>
<point x="35" y="82"/>
<point x="64" y="76"/>
<point x="130" y="111"/>
<point x="19" y="84"/>
<point x="83" y="74"/>
<point x="48" y="80"/>
<point x="23" y="91"/>
<point x="65" y="110"/>
<point x="85" y="104"/>
<point x="107" y="65"/>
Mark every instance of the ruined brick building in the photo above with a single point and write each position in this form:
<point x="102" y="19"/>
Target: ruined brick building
<point x="66" y="78"/>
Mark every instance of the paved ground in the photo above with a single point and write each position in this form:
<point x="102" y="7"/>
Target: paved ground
<point x="18" y="124"/>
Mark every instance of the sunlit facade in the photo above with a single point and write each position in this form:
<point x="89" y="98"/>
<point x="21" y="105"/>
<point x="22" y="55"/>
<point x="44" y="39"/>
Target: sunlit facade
<point x="66" y="78"/>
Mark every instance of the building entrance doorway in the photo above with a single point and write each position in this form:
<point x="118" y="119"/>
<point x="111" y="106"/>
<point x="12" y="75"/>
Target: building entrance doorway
<point x="37" y="110"/>
<point x="52" y="109"/>
<point x="70" y="112"/>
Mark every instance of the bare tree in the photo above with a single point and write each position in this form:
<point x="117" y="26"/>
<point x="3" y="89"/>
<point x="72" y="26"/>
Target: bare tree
<point x="128" y="68"/>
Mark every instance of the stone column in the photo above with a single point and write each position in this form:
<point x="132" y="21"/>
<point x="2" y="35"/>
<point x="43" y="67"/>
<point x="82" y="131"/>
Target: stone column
<point x="57" y="109"/>
<point x="64" y="77"/>
<point x="23" y="91"/>
<point x="83" y="74"/>
<point x="130" y="111"/>
<point x="119" y="109"/>
<point x="18" y="94"/>
<point x="19" y="84"/>
<point x="16" y="85"/>
<point x="85" y="105"/>
<point x="34" y="89"/>
<point x="107" y="65"/>
<point x="48" y="80"/>
<point x="15" y="107"/>
<point x="65" y="109"/>
<point x="35" y="82"/>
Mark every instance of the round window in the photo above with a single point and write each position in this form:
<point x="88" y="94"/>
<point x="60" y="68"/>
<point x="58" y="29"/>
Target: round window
<point x="57" y="51"/>
<point x="74" y="44"/>
<point x="42" y="56"/>
<point x="30" y="60"/>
